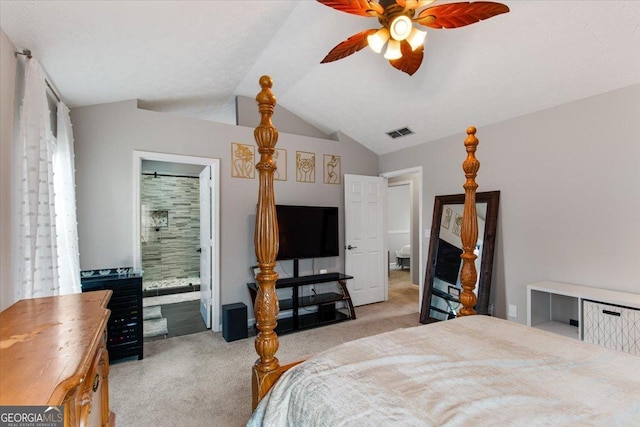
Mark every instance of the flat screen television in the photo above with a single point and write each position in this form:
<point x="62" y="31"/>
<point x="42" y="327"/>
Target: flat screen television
<point x="307" y="232"/>
<point x="448" y="262"/>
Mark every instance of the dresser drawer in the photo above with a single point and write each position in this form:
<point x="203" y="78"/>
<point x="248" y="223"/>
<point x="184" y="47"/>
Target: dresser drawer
<point x="611" y="326"/>
<point x="92" y="401"/>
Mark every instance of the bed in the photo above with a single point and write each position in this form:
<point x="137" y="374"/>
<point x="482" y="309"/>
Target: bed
<point x="473" y="370"/>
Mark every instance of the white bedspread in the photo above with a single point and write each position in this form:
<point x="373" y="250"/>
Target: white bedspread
<point x="504" y="374"/>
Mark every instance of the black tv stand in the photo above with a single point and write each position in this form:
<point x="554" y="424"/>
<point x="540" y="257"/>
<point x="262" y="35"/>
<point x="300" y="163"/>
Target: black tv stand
<point x="326" y="313"/>
<point x="296" y="270"/>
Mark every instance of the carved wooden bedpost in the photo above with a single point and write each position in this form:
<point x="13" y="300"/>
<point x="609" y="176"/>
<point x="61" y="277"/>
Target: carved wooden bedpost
<point x="469" y="232"/>
<point x="266" y="247"/>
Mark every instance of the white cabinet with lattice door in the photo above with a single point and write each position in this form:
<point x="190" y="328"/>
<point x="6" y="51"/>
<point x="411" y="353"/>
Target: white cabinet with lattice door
<point x="611" y="326"/>
<point x="600" y="316"/>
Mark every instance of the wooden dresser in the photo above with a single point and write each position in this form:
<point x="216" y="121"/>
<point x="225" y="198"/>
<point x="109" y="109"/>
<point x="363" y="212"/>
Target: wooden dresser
<point x="53" y="352"/>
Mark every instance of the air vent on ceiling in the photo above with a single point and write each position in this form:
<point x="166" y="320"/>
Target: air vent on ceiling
<point x="400" y="132"/>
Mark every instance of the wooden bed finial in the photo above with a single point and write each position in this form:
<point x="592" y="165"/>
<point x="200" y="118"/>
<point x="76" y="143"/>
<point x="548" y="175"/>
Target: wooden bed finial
<point x="266" y="246"/>
<point x="469" y="232"/>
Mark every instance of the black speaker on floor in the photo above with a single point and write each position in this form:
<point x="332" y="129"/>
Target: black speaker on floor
<point x="234" y="321"/>
<point x="327" y="312"/>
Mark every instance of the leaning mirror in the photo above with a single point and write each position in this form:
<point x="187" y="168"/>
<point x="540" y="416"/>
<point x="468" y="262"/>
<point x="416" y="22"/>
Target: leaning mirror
<point x="442" y="279"/>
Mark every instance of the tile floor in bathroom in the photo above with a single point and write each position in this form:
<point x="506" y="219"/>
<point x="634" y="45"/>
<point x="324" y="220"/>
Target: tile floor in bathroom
<point x="183" y="318"/>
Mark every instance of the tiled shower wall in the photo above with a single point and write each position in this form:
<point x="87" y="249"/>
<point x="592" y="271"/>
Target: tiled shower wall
<point x="170" y="252"/>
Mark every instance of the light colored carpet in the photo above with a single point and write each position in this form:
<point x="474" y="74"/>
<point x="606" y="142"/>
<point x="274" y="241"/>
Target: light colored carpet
<point x="202" y="380"/>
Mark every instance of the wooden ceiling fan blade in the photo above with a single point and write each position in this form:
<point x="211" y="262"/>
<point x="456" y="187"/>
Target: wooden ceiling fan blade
<point x="355" y="7"/>
<point x="454" y="15"/>
<point x="411" y="59"/>
<point x="413" y="4"/>
<point x="348" y="47"/>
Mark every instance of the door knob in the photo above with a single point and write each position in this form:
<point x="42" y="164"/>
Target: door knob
<point x="352" y="247"/>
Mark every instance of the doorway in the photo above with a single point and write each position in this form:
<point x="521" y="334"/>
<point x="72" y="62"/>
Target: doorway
<point x="170" y="228"/>
<point x="168" y="236"/>
<point x="403" y="230"/>
<point x="365" y="254"/>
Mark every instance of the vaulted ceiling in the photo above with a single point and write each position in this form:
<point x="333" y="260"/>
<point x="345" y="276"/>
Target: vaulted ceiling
<point x="194" y="57"/>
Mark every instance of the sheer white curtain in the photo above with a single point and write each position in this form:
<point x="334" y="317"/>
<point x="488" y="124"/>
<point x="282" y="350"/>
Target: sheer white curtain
<point x="35" y="223"/>
<point x="65" y="204"/>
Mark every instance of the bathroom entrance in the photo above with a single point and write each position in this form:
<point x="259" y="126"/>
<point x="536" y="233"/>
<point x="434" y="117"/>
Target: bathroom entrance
<point x="177" y="243"/>
<point x="170" y="227"/>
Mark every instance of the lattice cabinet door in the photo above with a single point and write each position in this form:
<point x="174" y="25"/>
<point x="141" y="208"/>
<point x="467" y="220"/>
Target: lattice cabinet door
<point x="612" y="326"/>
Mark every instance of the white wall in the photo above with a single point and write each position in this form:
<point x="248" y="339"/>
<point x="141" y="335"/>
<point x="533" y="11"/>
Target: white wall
<point x="398" y="220"/>
<point x="416" y="237"/>
<point x="7" y="90"/>
<point x="569" y="202"/>
<point x="105" y="137"/>
<point x="282" y="119"/>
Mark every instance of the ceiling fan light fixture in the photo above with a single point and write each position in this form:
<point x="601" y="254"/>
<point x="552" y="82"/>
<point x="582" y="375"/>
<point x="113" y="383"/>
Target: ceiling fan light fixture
<point x="416" y="38"/>
<point x="393" y="50"/>
<point x="377" y="40"/>
<point x="400" y="27"/>
<point x="397" y="19"/>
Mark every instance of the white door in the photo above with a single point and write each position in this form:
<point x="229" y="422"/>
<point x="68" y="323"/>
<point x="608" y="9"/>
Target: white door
<point x="365" y="257"/>
<point x="206" y="245"/>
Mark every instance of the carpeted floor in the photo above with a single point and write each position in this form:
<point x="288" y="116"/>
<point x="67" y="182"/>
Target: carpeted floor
<point x="200" y="379"/>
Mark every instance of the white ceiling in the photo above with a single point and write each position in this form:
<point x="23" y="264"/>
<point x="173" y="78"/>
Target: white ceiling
<point x="193" y="57"/>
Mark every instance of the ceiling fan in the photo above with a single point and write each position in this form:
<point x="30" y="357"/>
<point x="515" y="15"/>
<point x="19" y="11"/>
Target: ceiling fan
<point x="405" y="42"/>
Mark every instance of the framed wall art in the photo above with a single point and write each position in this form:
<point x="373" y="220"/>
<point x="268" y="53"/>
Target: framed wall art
<point x="446" y="219"/>
<point x="457" y="224"/>
<point x="280" y="157"/>
<point x="305" y="166"/>
<point x="332" y="169"/>
<point x="243" y="164"/>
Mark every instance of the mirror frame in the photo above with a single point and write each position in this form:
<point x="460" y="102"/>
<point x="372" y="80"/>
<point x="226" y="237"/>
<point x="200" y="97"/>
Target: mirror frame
<point x="492" y="199"/>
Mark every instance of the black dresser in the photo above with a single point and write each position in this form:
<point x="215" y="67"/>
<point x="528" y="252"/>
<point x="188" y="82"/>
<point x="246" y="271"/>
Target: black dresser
<point x="124" y="330"/>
